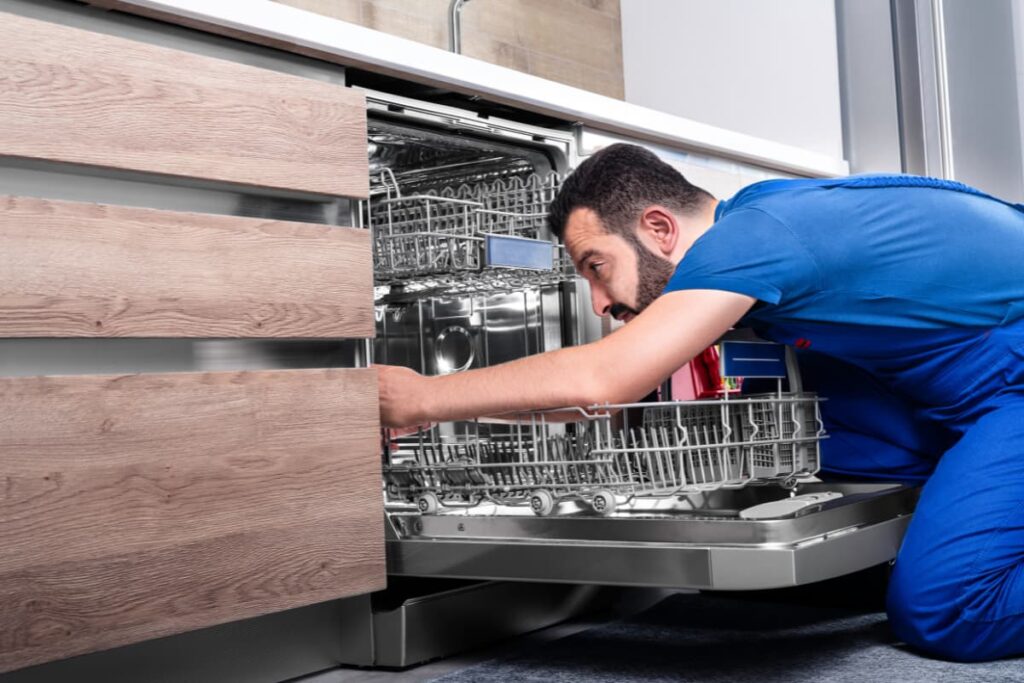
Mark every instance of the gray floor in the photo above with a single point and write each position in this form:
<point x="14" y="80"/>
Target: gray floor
<point x="631" y="602"/>
<point x="727" y="639"/>
<point x="834" y="631"/>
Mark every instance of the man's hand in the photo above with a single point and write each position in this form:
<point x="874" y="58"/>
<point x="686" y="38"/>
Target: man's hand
<point x="402" y="394"/>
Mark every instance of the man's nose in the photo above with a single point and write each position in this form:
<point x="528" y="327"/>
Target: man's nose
<point x="601" y="302"/>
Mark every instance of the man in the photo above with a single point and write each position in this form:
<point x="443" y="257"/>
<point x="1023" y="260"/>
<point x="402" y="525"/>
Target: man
<point x="906" y="298"/>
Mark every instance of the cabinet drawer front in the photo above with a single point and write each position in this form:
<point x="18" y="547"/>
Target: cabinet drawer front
<point x="88" y="270"/>
<point x="139" y="506"/>
<point x="77" y="96"/>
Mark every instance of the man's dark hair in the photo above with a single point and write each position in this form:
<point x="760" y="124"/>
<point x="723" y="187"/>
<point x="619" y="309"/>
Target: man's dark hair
<point x="618" y="183"/>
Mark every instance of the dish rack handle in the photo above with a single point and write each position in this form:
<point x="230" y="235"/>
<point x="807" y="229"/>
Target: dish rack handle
<point x="385" y="174"/>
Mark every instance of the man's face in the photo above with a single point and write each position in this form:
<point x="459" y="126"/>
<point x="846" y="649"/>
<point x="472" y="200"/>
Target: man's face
<point x="625" y="276"/>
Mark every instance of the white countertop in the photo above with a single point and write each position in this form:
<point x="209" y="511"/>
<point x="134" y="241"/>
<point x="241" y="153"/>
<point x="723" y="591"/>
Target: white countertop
<point x="350" y="44"/>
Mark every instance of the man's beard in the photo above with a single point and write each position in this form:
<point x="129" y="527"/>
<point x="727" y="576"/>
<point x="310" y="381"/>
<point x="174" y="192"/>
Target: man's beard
<point x="653" y="273"/>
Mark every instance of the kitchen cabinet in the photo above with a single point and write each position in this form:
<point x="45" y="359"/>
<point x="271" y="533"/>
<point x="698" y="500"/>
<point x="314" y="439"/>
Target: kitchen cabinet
<point x="72" y="269"/>
<point x="140" y="505"/>
<point x="145" y="505"/>
<point x="81" y="97"/>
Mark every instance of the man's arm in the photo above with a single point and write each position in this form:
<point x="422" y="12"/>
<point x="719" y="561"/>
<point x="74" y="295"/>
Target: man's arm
<point x="621" y="368"/>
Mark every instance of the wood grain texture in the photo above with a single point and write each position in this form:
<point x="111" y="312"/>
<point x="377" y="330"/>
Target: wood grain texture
<point x="70" y="269"/>
<point x="138" y="506"/>
<point x="77" y="96"/>
<point x="576" y="42"/>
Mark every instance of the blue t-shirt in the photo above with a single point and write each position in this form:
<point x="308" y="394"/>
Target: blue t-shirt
<point x="865" y="251"/>
<point x="895" y="274"/>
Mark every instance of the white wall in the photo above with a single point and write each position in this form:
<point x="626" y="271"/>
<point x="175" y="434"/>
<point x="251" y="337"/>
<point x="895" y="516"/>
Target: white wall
<point x="763" y="67"/>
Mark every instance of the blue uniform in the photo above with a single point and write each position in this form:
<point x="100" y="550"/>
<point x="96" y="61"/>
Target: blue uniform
<point x="905" y="296"/>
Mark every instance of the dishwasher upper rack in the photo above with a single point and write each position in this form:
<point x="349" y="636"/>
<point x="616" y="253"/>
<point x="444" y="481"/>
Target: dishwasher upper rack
<point x="679" y="447"/>
<point x="483" y="236"/>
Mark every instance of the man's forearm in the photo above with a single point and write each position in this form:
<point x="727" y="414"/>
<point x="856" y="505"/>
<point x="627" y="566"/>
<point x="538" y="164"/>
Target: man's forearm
<point x="550" y="380"/>
<point x="619" y="368"/>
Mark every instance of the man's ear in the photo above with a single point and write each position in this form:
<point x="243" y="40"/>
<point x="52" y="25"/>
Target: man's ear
<point x="660" y="227"/>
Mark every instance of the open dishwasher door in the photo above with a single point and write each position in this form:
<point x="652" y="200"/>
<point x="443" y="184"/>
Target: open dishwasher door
<point x="700" y="541"/>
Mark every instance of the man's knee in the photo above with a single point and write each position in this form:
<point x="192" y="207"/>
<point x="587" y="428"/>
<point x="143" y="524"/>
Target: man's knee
<point x="933" y="616"/>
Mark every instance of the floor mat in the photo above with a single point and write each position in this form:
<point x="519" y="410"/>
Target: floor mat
<point x="716" y="639"/>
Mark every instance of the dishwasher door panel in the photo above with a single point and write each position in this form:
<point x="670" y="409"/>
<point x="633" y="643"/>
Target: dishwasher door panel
<point x="706" y="546"/>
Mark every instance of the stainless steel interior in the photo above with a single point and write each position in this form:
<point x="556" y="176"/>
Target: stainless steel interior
<point x="426" y="157"/>
<point x="438" y="334"/>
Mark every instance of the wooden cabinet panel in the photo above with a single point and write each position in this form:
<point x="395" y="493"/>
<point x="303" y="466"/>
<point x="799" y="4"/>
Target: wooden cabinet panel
<point x="576" y="42"/>
<point x="138" y="506"/>
<point x="69" y="269"/>
<point x="78" y="96"/>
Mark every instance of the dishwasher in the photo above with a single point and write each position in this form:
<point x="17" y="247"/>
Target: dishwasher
<point x="715" y="493"/>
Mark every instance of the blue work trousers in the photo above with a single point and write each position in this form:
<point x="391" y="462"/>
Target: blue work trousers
<point x="957" y="588"/>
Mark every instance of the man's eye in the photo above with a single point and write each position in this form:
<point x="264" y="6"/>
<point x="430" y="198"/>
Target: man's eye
<point x="596" y="268"/>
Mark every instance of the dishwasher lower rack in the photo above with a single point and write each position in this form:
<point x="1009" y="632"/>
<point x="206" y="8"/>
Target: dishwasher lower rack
<point x="602" y="460"/>
<point x="479" y="237"/>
